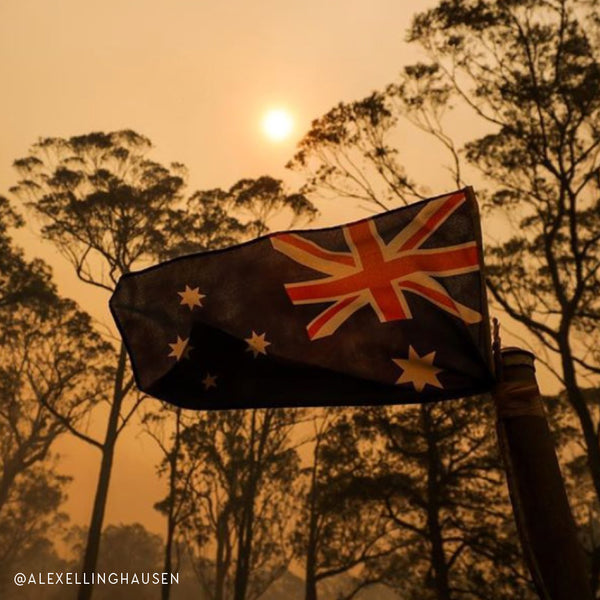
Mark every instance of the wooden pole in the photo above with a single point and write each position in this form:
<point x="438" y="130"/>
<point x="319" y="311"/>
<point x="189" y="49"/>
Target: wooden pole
<point x="544" y="520"/>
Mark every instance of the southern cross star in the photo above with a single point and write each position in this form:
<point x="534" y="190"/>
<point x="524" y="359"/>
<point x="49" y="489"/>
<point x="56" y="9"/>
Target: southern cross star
<point x="191" y="297"/>
<point x="257" y="344"/>
<point x="209" y="381"/>
<point x="181" y="348"/>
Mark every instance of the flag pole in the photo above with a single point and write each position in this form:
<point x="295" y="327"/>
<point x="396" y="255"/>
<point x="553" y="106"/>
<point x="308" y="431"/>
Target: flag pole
<point x="546" y="526"/>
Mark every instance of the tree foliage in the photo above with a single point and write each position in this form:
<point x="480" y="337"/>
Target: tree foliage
<point x="531" y="71"/>
<point x="242" y="467"/>
<point x="340" y="533"/>
<point x="106" y="206"/>
<point x="433" y="474"/>
<point x="51" y="362"/>
<point x="102" y="201"/>
<point x="51" y="365"/>
<point x="216" y="218"/>
<point x="20" y="281"/>
<point x="30" y="516"/>
<point x="347" y="153"/>
<point x="526" y="75"/>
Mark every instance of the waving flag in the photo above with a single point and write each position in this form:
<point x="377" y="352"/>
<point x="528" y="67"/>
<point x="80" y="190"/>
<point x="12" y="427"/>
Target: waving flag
<point x="390" y="309"/>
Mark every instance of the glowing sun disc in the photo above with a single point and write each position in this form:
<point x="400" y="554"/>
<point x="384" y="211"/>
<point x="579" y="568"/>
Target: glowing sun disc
<point x="277" y="124"/>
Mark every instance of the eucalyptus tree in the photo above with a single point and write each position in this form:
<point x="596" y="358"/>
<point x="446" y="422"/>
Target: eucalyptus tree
<point x="531" y="72"/>
<point x="241" y="466"/>
<point x="52" y="373"/>
<point x="211" y="219"/>
<point x="525" y="76"/>
<point x="21" y="281"/>
<point x="217" y="218"/>
<point x="31" y="520"/>
<point x="131" y="549"/>
<point x="436" y="474"/>
<point x="51" y="365"/>
<point x="107" y="207"/>
<point x="348" y="153"/>
<point x="337" y="532"/>
<point x="158" y="424"/>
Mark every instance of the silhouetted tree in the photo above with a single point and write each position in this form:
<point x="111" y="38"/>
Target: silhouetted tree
<point x="51" y="365"/>
<point x="106" y="206"/>
<point x="30" y="516"/>
<point x="241" y="503"/>
<point x="531" y="72"/>
<point x="213" y="219"/>
<point x="175" y="506"/>
<point x="338" y="533"/>
<point x="130" y="549"/>
<point x="436" y="472"/>
<point x="131" y="546"/>
<point x="264" y="200"/>
<point x="20" y="281"/>
<point x="219" y="218"/>
<point x="51" y="375"/>
<point x="347" y="153"/>
<point x="40" y="556"/>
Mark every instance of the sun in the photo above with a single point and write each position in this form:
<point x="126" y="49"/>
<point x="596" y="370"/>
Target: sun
<point x="277" y="124"/>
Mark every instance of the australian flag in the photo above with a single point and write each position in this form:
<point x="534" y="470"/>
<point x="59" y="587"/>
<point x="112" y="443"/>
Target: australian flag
<point x="386" y="310"/>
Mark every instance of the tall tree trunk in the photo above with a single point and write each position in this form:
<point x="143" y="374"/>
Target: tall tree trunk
<point x="242" y="570"/>
<point x="90" y="558"/>
<point x="9" y="474"/>
<point x="245" y="548"/>
<point x="166" y="586"/>
<point x="222" y="555"/>
<point x="244" y="561"/>
<point x="579" y="405"/>
<point x="246" y="524"/>
<point x="310" y="588"/>
<point x="310" y="592"/>
<point x="4" y="487"/>
<point x="439" y="565"/>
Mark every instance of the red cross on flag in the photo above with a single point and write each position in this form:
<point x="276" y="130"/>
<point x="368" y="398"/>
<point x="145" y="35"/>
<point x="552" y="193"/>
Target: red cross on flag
<point x="377" y="274"/>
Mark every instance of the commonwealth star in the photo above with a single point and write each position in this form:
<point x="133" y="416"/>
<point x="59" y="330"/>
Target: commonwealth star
<point x="418" y="370"/>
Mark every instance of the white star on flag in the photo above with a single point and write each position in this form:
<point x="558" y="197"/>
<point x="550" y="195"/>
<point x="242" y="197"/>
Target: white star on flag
<point x="209" y="381"/>
<point x="418" y="370"/>
<point x="257" y="344"/>
<point x="181" y="348"/>
<point x="191" y="297"/>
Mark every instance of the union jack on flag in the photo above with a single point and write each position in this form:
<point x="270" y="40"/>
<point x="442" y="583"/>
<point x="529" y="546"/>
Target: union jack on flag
<point x="389" y="309"/>
<point x="377" y="274"/>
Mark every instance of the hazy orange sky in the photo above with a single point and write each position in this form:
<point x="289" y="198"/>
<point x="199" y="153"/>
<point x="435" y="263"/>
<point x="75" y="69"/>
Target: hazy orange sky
<point x="195" y="77"/>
